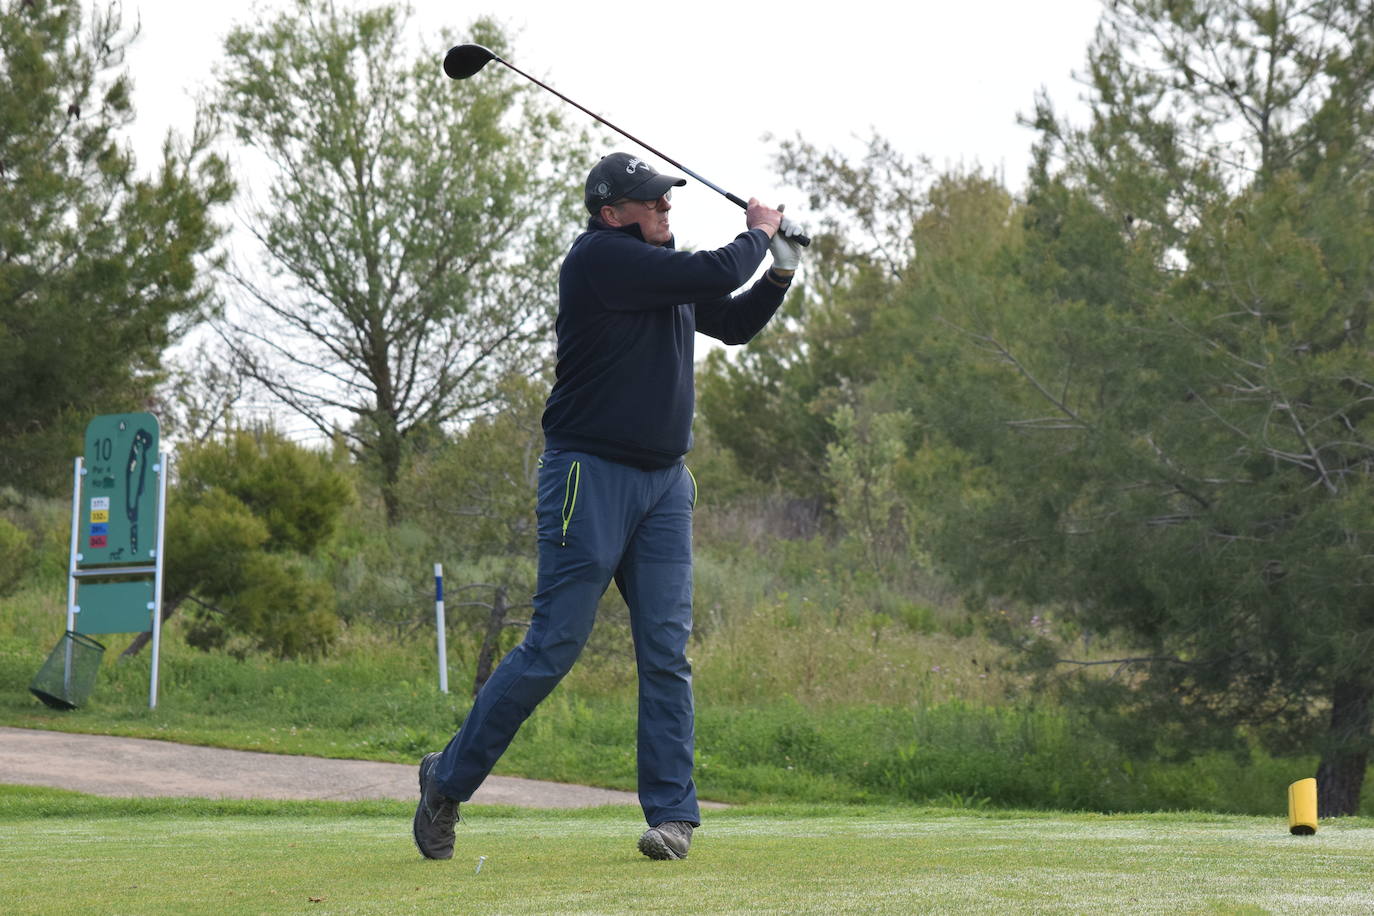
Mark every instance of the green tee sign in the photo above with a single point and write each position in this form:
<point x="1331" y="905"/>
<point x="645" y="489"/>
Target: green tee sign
<point x="118" y="512"/>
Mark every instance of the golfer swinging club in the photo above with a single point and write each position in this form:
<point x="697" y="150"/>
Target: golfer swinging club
<point x="615" y="498"/>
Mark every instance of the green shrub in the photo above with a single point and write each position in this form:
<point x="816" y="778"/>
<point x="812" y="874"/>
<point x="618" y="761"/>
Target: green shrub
<point x="279" y="609"/>
<point x="246" y="513"/>
<point x="16" y="556"/>
<point x="385" y="576"/>
<point x="40" y="550"/>
<point x="297" y="493"/>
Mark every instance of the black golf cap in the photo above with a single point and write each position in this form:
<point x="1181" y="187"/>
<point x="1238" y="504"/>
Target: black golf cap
<point x="621" y="175"/>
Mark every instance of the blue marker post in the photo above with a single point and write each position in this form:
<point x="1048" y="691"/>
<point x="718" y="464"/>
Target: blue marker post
<point x="439" y="624"/>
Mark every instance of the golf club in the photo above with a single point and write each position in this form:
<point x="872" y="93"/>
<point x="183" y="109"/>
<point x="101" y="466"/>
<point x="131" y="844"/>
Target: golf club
<point x="463" y="61"/>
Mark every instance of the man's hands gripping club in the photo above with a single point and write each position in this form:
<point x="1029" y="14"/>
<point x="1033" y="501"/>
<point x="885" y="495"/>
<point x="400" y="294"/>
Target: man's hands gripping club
<point x="782" y="233"/>
<point x="785" y="249"/>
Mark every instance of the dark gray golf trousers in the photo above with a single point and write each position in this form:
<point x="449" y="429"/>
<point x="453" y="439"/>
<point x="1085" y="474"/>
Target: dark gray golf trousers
<point x="600" y="520"/>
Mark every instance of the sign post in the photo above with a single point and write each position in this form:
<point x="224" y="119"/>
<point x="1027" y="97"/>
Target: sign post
<point x="119" y="496"/>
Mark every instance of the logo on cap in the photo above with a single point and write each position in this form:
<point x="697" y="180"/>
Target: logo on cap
<point x="603" y="189"/>
<point x="633" y="165"/>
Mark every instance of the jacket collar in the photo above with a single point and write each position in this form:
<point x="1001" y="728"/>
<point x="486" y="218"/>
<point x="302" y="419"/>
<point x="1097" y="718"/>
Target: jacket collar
<point x="594" y="224"/>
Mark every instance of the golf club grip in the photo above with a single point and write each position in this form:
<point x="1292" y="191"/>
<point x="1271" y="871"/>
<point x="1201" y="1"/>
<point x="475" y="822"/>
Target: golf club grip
<point x="802" y="240"/>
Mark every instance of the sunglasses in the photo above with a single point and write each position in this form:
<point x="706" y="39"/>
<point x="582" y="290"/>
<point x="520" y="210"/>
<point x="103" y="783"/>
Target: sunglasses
<point x="659" y="203"/>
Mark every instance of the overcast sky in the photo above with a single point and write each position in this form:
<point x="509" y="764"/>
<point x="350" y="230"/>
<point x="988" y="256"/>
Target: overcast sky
<point x="704" y="82"/>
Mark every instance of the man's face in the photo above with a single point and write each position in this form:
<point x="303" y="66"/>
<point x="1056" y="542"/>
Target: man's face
<point x="650" y="215"/>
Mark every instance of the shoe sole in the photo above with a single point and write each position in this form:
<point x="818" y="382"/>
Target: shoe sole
<point x="414" y="833"/>
<point x="654" y="846"/>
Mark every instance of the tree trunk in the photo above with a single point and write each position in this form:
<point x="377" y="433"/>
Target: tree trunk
<point x="142" y="639"/>
<point x="1340" y="775"/>
<point x="389" y="455"/>
<point x="496" y="622"/>
<point x="135" y="647"/>
<point x="391" y="498"/>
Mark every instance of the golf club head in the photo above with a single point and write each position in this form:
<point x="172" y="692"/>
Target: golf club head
<point x="463" y="61"/>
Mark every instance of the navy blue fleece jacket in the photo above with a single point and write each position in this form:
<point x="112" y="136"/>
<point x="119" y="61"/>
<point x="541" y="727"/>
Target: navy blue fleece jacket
<point x="627" y="313"/>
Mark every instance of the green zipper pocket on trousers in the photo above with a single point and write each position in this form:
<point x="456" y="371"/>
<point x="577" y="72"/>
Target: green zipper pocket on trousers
<point x="570" y="496"/>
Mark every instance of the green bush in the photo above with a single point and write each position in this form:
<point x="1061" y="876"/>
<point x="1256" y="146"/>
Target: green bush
<point x="16" y="556"/>
<point x="35" y="544"/>
<point x="297" y="493"/>
<point x="385" y="577"/>
<point x="242" y="522"/>
<point x="280" y="609"/>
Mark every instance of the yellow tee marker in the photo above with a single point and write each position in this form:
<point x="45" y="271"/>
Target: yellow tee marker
<point x="1302" y="807"/>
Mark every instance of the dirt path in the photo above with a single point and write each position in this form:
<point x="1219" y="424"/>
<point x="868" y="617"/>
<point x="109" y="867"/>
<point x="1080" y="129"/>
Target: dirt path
<point x="124" y="767"/>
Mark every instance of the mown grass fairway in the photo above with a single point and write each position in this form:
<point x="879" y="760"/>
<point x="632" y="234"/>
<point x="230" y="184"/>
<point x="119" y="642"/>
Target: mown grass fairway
<point x="73" y="854"/>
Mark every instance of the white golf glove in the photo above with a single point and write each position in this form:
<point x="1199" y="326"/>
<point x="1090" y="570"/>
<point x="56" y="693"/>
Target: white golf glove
<point x="786" y="253"/>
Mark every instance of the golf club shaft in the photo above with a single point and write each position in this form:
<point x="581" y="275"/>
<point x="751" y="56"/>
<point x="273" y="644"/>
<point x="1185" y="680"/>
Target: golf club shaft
<point x="743" y="204"/>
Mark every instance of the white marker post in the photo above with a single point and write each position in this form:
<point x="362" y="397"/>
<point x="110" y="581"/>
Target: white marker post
<point x="439" y="625"/>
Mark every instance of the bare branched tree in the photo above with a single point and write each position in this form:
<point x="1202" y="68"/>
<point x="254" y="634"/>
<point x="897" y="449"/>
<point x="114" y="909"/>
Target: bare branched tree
<point x="410" y="229"/>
